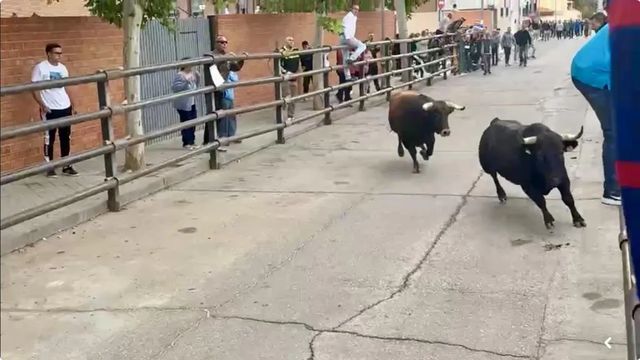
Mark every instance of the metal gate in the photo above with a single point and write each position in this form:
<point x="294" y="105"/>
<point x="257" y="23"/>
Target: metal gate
<point x="159" y="45"/>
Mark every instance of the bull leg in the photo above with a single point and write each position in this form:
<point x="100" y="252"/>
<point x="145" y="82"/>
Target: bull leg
<point x="412" y="152"/>
<point x="538" y="198"/>
<point x="430" y="141"/>
<point x="400" y="149"/>
<point x="567" y="199"/>
<point x="423" y="152"/>
<point x="502" y="195"/>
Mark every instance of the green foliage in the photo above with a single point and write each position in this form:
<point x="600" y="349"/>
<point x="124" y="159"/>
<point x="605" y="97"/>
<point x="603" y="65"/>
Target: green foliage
<point x="111" y="11"/>
<point x="289" y="6"/>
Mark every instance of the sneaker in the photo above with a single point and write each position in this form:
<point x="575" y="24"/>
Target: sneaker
<point x="70" y="171"/>
<point x="613" y="200"/>
<point x="52" y="173"/>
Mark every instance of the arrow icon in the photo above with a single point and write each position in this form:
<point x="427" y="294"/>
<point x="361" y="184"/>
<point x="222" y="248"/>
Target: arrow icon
<point x="606" y="342"/>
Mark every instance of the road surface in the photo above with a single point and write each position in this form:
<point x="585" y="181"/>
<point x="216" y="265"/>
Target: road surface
<point x="328" y="247"/>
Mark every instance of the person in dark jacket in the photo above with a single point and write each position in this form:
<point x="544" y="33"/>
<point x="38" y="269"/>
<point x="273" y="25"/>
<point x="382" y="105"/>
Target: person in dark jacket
<point x="523" y="40"/>
<point x="307" y="65"/>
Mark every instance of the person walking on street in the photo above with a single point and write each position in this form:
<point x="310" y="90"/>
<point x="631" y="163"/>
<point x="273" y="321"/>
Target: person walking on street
<point x="348" y="37"/>
<point x="54" y="104"/>
<point x="495" y="47"/>
<point x="507" y="43"/>
<point x="523" y="40"/>
<point x="591" y="73"/>
<point x="184" y="80"/>
<point x="485" y="48"/>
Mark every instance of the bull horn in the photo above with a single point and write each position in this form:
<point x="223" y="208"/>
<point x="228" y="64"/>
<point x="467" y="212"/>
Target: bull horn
<point x="454" y="105"/>
<point x="427" y="106"/>
<point x="529" y="140"/>
<point x="571" y="137"/>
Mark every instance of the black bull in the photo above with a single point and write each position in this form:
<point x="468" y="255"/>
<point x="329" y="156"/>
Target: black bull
<point x="416" y="118"/>
<point x="531" y="156"/>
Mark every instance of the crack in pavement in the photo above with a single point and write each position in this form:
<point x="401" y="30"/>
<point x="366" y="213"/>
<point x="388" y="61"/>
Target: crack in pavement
<point x="405" y="281"/>
<point x="320" y="331"/>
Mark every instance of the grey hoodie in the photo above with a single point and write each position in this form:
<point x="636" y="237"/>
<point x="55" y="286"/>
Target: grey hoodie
<point x="180" y="83"/>
<point x="507" y="40"/>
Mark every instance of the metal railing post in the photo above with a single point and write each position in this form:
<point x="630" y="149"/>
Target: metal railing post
<point x="409" y="62"/>
<point x="444" y="54"/>
<point x="277" y="87"/>
<point x="387" y="66"/>
<point x="209" y="100"/>
<point x="361" y="90"/>
<point x="106" y="125"/>
<point x="327" y="95"/>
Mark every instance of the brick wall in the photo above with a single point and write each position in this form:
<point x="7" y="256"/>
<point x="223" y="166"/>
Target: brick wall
<point x="260" y="32"/>
<point x="87" y="44"/>
<point x="90" y="44"/>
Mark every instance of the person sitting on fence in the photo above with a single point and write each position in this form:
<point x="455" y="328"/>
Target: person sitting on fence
<point x="184" y="80"/>
<point x="348" y="37"/>
<point x="227" y="126"/>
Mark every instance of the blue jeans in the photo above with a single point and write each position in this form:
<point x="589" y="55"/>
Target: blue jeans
<point x="188" y="134"/>
<point x="226" y="126"/>
<point x="600" y="101"/>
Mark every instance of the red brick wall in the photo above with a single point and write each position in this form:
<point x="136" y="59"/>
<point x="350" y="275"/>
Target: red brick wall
<point x="90" y="44"/>
<point x="87" y="44"/>
<point x="260" y="32"/>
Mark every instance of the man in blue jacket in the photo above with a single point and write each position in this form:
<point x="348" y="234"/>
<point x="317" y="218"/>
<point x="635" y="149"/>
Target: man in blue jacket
<point x="591" y="73"/>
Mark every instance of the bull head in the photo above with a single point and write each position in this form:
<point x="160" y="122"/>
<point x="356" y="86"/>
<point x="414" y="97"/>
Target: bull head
<point x="570" y="141"/>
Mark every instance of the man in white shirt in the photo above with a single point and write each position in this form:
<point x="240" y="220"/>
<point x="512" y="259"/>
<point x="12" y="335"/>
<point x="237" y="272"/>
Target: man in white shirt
<point x="348" y="37"/>
<point x="54" y="103"/>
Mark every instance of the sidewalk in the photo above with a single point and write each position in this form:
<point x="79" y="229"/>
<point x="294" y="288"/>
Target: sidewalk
<point x="30" y="192"/>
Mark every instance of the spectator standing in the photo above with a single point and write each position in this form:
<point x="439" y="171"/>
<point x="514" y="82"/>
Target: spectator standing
<point x="523" y="40"/>
<point x="485" y="45"/>
<point x="590" y="73"/>
<point x="495" y="47"/>
<point x="373" y="67"/>
<point x="289" y="65"/>
<point x="54" y="104"/>
<point x="226" y="126"/>
<point x="307" y="65"/>
<point x="224" y="68"/>
<point x="184" y="80"/>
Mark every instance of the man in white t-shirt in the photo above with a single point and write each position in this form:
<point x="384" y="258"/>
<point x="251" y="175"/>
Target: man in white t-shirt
<point x="348" y="37"/>
<point x="54" y="103"/>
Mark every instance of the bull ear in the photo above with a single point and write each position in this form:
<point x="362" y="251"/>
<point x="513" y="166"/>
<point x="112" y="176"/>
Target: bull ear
<point x="426" y="106"/>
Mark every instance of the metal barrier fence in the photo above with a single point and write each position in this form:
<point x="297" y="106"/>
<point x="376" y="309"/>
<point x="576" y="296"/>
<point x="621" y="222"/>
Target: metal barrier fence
<point x="631" y="303"/>
<point x="108" y="110"/>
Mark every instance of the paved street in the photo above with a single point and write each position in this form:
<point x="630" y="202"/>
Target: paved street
<point x="328" y="247"/>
